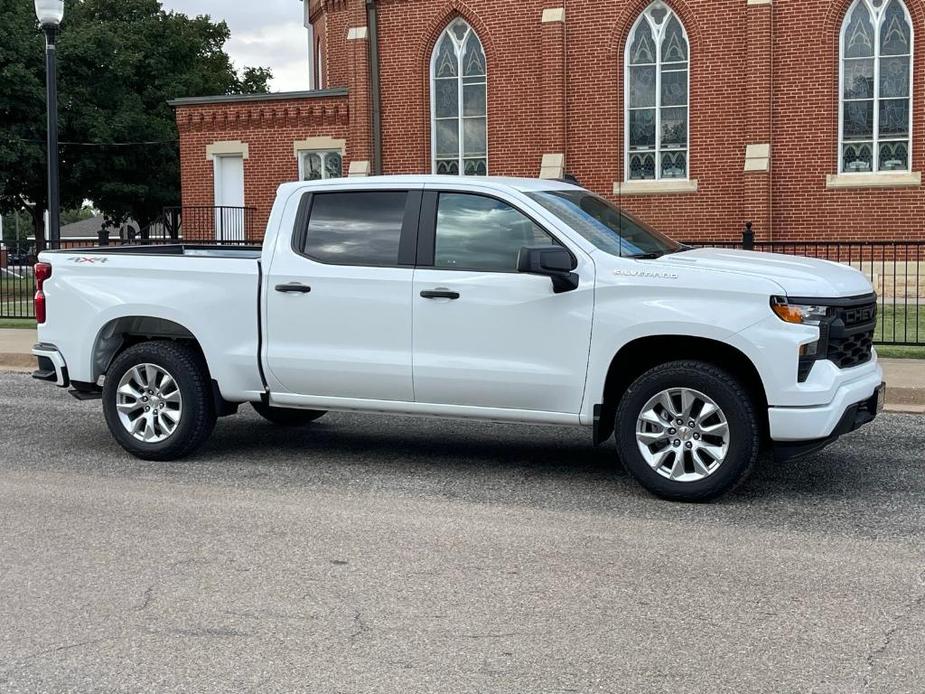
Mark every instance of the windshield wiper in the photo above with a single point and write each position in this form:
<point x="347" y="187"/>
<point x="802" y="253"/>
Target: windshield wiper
<point x="653" y="255"/>
<point x="645" y="256"/>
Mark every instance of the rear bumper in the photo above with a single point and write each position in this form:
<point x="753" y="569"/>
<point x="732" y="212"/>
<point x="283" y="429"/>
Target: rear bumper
<point x="51" y="366"/>
<point x="854" y="417"/>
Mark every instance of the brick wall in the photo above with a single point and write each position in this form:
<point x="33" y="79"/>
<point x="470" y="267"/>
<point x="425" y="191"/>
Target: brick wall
<point x="269" y="128"/>
<point x="760" y="74"/>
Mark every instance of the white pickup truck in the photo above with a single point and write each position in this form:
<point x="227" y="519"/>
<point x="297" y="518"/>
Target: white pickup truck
<point x="486" y="298"/>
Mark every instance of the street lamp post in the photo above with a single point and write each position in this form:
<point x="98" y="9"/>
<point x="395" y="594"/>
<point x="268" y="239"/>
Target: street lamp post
<point x="50" y="13"/>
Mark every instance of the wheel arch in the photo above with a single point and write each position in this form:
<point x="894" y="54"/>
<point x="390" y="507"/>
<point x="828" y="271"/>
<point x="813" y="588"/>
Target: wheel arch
<point x="118" y="334"/>
<point x="639" y="355"/>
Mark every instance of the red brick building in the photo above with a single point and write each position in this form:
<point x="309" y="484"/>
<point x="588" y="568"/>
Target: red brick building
<point x="805" y="116"/>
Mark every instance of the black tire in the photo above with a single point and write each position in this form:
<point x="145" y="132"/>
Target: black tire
<point x="197" y="418"/>
<point x="744" y="441"/>
<point x="286" y="416"/>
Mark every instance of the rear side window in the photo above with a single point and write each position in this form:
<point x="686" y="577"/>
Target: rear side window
<point x="356" y="228"/>
<point x="479" y="233"/>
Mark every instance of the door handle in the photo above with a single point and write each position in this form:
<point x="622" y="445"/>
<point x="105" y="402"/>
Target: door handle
<point x="439" y="294"/>
<point x="294" y="288"/>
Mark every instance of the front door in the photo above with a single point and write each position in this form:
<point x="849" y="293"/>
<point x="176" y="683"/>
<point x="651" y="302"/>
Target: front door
<point x="339" y="307"/>
<point x="484" y="334"/>
<point x="229" y="197"/>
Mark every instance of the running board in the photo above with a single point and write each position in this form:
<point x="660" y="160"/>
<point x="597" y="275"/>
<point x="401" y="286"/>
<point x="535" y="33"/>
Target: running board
<point x="86" y="391"/>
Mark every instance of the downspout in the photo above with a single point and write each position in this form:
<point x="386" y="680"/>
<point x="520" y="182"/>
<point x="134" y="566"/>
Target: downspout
<point x="771" y="128"/>
<point x="372" y="22"/>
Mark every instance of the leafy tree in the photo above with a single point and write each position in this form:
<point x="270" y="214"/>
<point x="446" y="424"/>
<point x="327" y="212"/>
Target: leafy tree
<point x="77" y="214"/>
<point x="119" y="62"/>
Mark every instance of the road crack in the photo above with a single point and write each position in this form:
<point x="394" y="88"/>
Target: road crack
<point x="899" y="621"/>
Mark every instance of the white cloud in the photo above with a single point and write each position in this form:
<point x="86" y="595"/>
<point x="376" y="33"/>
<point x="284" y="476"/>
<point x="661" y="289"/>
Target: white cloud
<point x="268" y="33"/>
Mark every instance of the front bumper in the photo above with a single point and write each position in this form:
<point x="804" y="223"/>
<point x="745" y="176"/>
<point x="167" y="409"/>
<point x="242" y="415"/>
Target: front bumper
<point x="854" y="417"/>
<point x="817" y="420"/>
<point x="52" y="367"/>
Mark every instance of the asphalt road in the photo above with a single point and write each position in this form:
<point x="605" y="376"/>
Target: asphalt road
<point x="377" y="554"/>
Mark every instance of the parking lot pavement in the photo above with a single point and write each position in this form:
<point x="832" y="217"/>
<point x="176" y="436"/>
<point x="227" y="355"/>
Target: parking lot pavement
<point x="375" y="554"/>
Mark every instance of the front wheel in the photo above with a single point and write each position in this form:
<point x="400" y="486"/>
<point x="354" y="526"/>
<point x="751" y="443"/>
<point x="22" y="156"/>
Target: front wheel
<point x="157" y="400"/>
<point x="687" y="431"/>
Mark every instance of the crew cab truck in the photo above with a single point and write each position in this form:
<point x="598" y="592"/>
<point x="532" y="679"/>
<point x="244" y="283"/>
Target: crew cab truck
<point x="487" y="298"/>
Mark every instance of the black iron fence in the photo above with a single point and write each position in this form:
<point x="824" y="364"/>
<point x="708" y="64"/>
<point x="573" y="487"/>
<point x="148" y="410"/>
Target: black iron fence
<point x="896" y="269"/>
<point x="17" y="281"/>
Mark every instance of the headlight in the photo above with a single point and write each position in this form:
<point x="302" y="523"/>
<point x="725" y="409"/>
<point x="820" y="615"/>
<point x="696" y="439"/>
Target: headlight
<point x="802" y="314"/>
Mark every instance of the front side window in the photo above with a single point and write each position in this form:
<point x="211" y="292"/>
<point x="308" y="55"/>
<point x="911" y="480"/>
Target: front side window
<point x="315" y="166"/>
<point x="458" y="97"/>
<point x="657" y="95"/>
<point x="478" y="233"/>
<point x="356" y="228"/>
<point x="876" y="84"/>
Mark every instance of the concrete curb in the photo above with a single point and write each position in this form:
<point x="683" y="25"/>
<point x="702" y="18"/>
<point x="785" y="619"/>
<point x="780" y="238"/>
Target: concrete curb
<point x="901" y="395"/>
<point x="16" y="362"/>
<point x="905" y="409"/>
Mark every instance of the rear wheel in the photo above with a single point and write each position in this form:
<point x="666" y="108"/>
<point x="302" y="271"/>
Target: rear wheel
<point x="157" y="400"/>
<point x="286" y="416"/>
<point x="687" y="431"/>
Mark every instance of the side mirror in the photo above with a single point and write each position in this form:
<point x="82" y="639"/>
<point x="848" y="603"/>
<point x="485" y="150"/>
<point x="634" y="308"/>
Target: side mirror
<point x="554" y="262"/>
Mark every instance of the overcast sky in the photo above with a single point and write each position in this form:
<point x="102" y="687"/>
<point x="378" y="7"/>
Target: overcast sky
<point x="269" y="33"/>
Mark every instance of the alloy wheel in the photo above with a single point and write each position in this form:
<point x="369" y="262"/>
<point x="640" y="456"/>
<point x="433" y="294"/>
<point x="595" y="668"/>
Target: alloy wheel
<point x="149" y="403"/>
<point x="682" y="434"/>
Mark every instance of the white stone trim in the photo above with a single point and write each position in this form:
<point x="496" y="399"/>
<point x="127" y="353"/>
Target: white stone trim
<point x="318" y="143"/>
<point x="884" y="179"/>
<point x="553" y="166"/>
<point x="359" y="168"/>
<point x="758" y="157"/>
<point x="663" y="186"/>
<point x="227" y="147"/>
<point x="356" y="33"/>
<point x="553" y="14"/>
<point x="758" y="2"/>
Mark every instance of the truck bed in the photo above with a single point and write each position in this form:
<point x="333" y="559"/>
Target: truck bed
<point x="209" y="292"/>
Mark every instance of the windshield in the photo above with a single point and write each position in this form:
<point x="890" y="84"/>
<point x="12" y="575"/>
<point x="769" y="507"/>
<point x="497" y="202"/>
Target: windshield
<point x="604" y="225"/>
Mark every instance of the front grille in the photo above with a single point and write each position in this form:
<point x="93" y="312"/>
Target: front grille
<point x="846" y="334"/>
<point x="851" y="332"/>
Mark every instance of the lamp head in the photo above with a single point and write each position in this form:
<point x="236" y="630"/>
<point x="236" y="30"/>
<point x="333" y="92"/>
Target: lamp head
<point x="49" y="12"/>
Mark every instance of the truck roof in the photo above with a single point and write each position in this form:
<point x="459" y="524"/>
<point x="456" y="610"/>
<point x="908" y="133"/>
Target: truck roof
<point x="500" y="182"/>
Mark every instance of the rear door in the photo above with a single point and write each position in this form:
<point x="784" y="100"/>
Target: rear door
<point x="484" y="334"/>
<point x="339" y="300"/>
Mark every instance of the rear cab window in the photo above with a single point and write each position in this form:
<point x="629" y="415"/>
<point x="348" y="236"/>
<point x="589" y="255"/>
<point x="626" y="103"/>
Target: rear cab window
<point x="362" y="227"/>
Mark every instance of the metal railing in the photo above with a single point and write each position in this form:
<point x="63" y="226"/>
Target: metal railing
<point x="896" y="269"/>
<point x="17" y="282"/>
<point x="207" y="224"/>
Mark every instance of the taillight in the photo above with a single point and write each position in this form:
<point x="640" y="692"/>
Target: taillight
<point x="42" y="273"/>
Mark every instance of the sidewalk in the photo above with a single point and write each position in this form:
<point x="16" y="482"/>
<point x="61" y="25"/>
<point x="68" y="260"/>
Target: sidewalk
<point x="905" y="377"/>
<point x="16" y="349"/>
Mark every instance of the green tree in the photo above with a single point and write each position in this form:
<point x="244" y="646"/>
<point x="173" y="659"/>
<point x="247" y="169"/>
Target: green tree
<point x="119" y="63"/>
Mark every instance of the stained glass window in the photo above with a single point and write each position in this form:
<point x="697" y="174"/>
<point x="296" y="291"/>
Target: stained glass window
<point x="876" y="75"/>
<point x="657" y="88"/>
<point x="314" y="166"/>
<point x="459" y="103"/>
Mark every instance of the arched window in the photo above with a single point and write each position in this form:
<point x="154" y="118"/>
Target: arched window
<point x="875" y="87"/>
<point x="458" y="91"/>
<point x="657" y="95"/>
